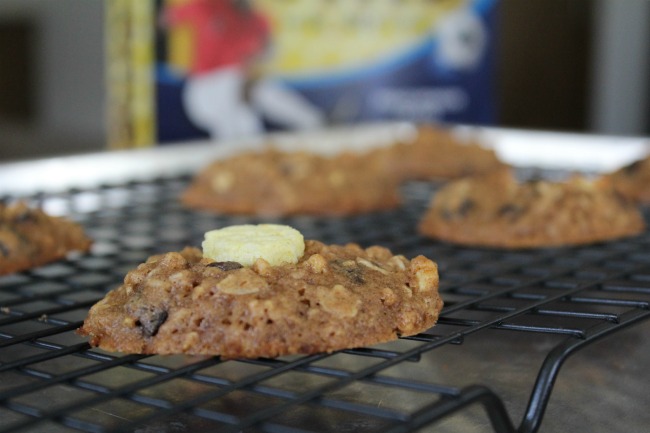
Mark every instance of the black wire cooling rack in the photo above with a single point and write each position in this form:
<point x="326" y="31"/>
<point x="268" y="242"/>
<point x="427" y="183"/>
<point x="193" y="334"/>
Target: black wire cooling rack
<point x="52" y="381"/>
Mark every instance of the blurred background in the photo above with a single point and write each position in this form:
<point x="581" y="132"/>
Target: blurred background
<point x="566" y="65"/>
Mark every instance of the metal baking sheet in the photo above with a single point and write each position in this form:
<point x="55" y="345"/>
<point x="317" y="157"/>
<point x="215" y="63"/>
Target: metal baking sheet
<point x="521" y="148"/>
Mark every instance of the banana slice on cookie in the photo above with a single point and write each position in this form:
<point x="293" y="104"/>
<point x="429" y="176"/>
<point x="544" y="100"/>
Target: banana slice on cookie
<point x="275" y="243"/>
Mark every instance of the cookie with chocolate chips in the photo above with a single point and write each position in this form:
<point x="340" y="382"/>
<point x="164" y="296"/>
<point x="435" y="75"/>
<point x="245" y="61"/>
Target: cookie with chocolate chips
<point x="435" y="153"/>
<point x="496" y="210"/>
<point x="334" y="297"/>
<point x="274" y="182"/>
<point x="29" y="237"/>
<point x="632" y="181"/>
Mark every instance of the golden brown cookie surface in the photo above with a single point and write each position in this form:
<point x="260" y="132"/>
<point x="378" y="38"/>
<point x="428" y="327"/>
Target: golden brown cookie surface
<point x="632" y="181"/>
<point x="273" y="182"/>
<point x="335" y="297"/>
<point x="29" y="237"/>
<point x="435" y="154"/>
<point x="496" y="210"/>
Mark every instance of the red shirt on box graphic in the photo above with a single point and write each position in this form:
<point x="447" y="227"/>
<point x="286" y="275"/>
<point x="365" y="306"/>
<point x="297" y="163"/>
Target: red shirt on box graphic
<point x="223" y="94"/>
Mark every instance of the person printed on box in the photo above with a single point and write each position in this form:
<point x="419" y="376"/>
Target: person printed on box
<point x="225" y="94"/>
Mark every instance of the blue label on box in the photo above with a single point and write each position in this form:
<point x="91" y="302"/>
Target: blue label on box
<point x="229" y="69"/>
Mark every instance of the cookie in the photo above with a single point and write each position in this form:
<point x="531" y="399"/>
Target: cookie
<point x="497" y="211"/>
<point x="334" y="297"/>
<point x="632" y="181"/>
<point x="29" y="237"/>
<point x="274" y="183"/>
<point x="435" y="154"/>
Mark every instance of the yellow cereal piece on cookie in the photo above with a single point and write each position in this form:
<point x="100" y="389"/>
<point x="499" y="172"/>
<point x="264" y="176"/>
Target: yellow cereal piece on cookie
<point x="275" y="243"/>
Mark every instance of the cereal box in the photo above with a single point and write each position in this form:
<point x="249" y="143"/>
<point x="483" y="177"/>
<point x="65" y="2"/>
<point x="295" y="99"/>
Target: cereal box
<point x="223" y="69"/>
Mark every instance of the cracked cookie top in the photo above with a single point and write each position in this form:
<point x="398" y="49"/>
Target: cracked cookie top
<point x="498" y="211"/>
<point x="29" y="237"/>
<point x="334" y="297"/>
<point x="273" y="183"/>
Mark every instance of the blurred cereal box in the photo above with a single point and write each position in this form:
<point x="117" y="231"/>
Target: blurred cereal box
<point x="187" y="69"/>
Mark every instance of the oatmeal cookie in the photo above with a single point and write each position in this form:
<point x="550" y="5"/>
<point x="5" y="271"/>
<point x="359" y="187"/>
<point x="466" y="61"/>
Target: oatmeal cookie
<point x="273" y="182"/>
<point x="632" y="181"/>
<point x="29" y="237"/>
<point x="435" y="153"/>
<point x="334" y="297"/>
<point x="497" y="211"/>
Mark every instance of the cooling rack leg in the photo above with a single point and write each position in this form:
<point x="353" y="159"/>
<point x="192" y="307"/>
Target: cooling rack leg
<point x="494" y="407"/>
<point x="554" y="360"/>
<point x="475" y="394"/>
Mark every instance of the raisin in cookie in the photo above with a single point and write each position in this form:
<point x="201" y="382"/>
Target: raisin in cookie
<point x="29" y="237"/>
<point x="495" y="210"/>
<point x="274" y="182"/>
<point x="334" y="297"/>
<point x="435" y="154"/>
<point x="632" y="181"/>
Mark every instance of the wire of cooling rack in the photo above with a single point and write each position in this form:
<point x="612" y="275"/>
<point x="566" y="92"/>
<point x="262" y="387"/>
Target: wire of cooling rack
<point x="50" y="379"/>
